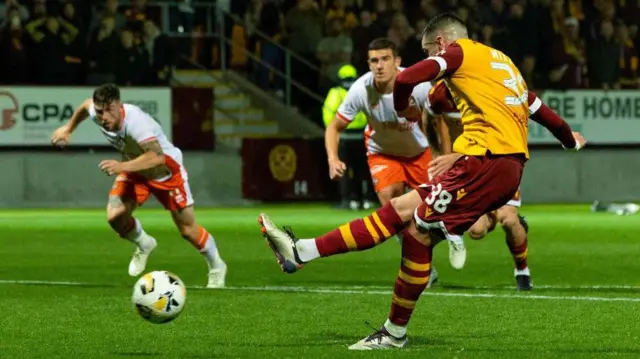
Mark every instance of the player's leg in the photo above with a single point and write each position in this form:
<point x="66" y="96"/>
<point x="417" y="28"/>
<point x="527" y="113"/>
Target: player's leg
<point x="486" y="184"/>
<point x="483" y="226"/>
<point x="515" y="229"/>
<point x="179" y="201"/>
<point x="416" y="172"/>
<point x="388" y="177"/>
<point x="124" y="197"/>
<point x="357" y="235"/>
<point x="204" y="242"/>
<point x="413" y="278"/>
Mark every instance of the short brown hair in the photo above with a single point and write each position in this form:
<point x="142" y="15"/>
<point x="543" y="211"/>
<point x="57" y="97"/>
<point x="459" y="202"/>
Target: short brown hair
<point x="106" y="94"/>
<point x="383" y="43"/>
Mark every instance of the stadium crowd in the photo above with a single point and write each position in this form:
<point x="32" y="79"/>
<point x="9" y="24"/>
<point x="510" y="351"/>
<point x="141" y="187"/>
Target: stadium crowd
<point x="558" y="44"/>
<point x="67" y="42"/>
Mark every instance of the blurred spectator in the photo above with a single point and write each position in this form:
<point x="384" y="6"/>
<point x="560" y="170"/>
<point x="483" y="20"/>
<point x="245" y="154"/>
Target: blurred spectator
<point x="133" y="62"/>
<point x="268" y="21"/>
<point x="357" y="6"/>
<point x="400" y="31"/>
<point x="412" y="51"/>
<point x="136" y="16"/>
<point x="426" y="10"/>
<point x="334" y="50"/>
<point x="362" y="36"/>
<point x="567" y="59"/>
<point x="109" y="8"/>
<point x="70" y="14"/>
<point x="607" y="12"/>
<point x="14" y="60"/>
<point x="629" y="78"/>
<point x="486" y="35"/>
<point x="383" y="16"/>
<point x="396" y="6"/>
<point x="103" y="53"/>
<point x="181" y="17"/>
<point x="304" y="28"/>
<point x="339" y="11"/>
<point x="473" y="17"/>
<point x="160" y="54"/>
<point x="604" y="55"/>
<point x="6" y="6"/>
<point x="77" y="46"/>
<point x="51" y="37"/>
<point x="39" y="11"/>
<point x="304" y="24"/>
<point x="497" y="16"/>
<point x="630" y="11"/>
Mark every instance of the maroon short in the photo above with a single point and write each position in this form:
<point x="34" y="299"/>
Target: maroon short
<point x="455" y="200"/>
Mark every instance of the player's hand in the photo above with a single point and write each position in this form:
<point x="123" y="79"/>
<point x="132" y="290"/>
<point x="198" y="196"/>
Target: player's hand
<point x="337" y="169"/>
<point x="442" y="164"/>
<point x="61" y="136"/>
<point x="412" y="113"/>
<point x="580" y="141"/>
<point x="111" y="167"/>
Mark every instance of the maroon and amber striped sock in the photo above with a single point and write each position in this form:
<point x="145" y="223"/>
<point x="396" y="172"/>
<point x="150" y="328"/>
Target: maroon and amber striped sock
<point x="362" y="233"/>
<point x="413" y="277"/>
<point x="518" y="252"/>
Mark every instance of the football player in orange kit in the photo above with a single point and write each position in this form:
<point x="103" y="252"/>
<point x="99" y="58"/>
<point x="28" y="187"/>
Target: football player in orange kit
<point x="495" y="106"/>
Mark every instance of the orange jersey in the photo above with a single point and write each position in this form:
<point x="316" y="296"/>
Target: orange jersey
<point x="491" y="96"/>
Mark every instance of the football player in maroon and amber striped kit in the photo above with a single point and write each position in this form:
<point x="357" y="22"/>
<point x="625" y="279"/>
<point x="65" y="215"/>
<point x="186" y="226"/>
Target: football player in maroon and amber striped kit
<point x="495" y="106"/>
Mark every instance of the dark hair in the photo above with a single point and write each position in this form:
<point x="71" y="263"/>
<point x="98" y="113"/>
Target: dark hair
<point x="383" y="43"/>
<point x="106" y="94"/>
<point x="441" y="20"/>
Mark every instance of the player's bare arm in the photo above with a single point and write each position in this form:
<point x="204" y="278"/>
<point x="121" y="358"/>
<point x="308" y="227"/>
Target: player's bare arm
<point x="434" y="136"/>
<point x="152" y="157"/>
<point x="337" y="168"/>
<point x="432" y="133"/>
<point x="445" y="131"/>
<point x="62" y="135"/>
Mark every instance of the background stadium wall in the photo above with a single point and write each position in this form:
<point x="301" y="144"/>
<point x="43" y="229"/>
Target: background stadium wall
<point x="73" y="179"/>
<point x="296" y="169"/>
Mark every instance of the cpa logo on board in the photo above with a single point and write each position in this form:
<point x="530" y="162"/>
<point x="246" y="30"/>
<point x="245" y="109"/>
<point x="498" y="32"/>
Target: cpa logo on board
<point x="9" y="108"/>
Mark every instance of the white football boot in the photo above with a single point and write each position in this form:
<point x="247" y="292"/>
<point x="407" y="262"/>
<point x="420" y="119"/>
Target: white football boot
<point x="283" y="244"/>
<point x="457" y="253"/>
<point x="380" y="340"/>
<point x="139" y="261"/>
<point x="217" y="277"/>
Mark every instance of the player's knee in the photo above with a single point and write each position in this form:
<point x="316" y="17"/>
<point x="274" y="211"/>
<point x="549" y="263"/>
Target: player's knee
<point x="116" y="216"/>
<point x="477" y="232"/>
<point x="508" y="219"/>
<point x="189" y="231"/>
<point x="479" y="229"/>
<point x="405" y="205"/>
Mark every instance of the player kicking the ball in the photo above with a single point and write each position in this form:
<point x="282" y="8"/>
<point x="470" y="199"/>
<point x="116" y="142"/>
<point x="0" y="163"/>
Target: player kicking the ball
<point x="495" y="105"/>
<point x="444" y="125"/>
<point x="150" y="165"/>
<point x="397" y="149"/>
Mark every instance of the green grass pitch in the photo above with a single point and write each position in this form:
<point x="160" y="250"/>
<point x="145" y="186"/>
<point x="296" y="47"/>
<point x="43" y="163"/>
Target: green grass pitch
<point x="65" y="292"/>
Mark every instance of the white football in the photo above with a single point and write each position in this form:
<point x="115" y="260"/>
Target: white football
<point x="159" y="296"/>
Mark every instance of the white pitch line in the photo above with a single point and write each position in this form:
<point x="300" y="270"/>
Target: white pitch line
<point x="346" y="290"/>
